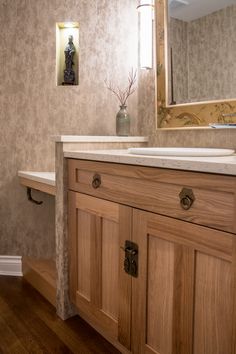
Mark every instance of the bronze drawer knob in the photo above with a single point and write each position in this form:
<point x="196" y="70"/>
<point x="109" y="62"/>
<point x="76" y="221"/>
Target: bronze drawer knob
<point x="186" y="198"/>
<point x="96" y="181"/>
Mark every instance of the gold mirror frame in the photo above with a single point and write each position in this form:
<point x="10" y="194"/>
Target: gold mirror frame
<point x="189" y="114"/>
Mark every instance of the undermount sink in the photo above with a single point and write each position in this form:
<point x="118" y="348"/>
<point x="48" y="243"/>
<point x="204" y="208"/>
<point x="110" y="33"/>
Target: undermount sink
<point x="170" y="151"/>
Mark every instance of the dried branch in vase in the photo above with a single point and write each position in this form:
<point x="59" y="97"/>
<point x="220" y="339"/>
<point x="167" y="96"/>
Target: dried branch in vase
<point x="123" y="95"/>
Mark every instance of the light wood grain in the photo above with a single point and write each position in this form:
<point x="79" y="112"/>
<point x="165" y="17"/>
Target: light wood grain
<point x="125" y="281"/>
<point x="110" y="268"/>
<point x="195" y="179"/>
<point x="98" y="287"/>
<point x="72" y="247"/>
<point x="98" y="207"/>
<point x="157" y="190"/>
<point x="182" y="301"/>
<point x="139" y="288"/>
<point x="42" y="187"/>
<point x="95" y="258"/>
<point x="159" y="284"/>
<point x="41" y="274"/>
<point x="213" y="306"/>
<point x="83" y="252"/>
<point x="204" y="239"/>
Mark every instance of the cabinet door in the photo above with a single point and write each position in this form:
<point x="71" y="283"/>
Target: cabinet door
<point x="99" y="287"/>
<point x="182" y="300"/>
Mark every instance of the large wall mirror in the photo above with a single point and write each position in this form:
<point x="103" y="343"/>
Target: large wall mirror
<point x="196" y="62"/>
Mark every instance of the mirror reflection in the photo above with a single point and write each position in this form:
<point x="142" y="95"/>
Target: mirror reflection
<point x="201" y="50"/>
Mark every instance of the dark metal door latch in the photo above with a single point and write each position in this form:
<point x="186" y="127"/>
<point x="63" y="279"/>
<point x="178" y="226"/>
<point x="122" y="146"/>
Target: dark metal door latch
<point x="131" y="258"/>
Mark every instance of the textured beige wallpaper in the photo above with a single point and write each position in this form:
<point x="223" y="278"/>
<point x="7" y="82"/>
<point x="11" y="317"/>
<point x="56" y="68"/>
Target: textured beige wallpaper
<point x="32" y="107"/>
<point x="212" y="52"/>
<point x="204" y="52"/>
<point x="178" y="42"/>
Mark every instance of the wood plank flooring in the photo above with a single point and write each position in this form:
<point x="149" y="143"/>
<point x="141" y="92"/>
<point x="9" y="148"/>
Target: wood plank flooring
<point x="29" y="324"/>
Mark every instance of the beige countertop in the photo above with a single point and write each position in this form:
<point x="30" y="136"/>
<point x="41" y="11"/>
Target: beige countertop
<point x="98" y="139"/>
<point x="221" y="165"/>
<point x="42" y="177"/>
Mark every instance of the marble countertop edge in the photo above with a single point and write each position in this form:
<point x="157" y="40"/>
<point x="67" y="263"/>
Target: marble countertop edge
<point x="42" y="177"/>
<point x="225" y="165"/>
<point x="97" y="139"/>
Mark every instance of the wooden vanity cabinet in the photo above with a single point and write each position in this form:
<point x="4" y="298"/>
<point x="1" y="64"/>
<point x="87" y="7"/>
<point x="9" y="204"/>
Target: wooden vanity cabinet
<point x="183" y="299"/>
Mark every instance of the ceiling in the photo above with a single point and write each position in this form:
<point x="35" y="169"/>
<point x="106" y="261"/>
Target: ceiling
<point x="189" y="10"/>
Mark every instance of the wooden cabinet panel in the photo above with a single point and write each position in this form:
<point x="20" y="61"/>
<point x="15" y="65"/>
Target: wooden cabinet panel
<point x="182" y="299"/>
<point x="213" y="305"/>
<point x="99" y="287"/>
<point x="157" y="190"/>
<point x="83" y="251"/>
<point x="160" y="313"/>
<point x="110" y="269"/>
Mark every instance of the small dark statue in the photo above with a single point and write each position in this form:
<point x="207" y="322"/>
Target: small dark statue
<point x="69" y="74"/>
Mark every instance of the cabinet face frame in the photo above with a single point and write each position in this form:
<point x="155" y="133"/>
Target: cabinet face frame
<point x="104" y="221"/>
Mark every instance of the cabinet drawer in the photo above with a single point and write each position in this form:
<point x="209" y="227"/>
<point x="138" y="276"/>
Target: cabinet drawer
<point x="157" y="190"/>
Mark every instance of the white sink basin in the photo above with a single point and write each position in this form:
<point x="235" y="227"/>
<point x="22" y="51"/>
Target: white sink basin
<point x="169" y="151"/>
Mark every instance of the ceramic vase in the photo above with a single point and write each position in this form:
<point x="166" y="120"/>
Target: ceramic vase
<point x="123" y="122"/>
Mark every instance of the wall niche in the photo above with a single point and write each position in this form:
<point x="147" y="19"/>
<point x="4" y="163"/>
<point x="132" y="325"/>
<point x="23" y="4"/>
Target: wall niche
<point x="67" y="53"/>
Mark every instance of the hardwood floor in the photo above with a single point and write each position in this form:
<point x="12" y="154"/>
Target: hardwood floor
<point x="29" y="324"/>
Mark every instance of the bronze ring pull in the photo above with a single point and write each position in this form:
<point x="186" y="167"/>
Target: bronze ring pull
<point x="186" y="198"/>
<point x="96" y="181"/>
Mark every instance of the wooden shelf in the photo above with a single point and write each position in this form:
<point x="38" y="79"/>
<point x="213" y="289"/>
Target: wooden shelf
<point x="41" y="181"/>
<point x="41" y="274"/>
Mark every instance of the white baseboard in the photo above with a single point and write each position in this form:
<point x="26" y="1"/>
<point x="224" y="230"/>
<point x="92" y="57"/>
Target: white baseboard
<point x="11" y="265"/>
